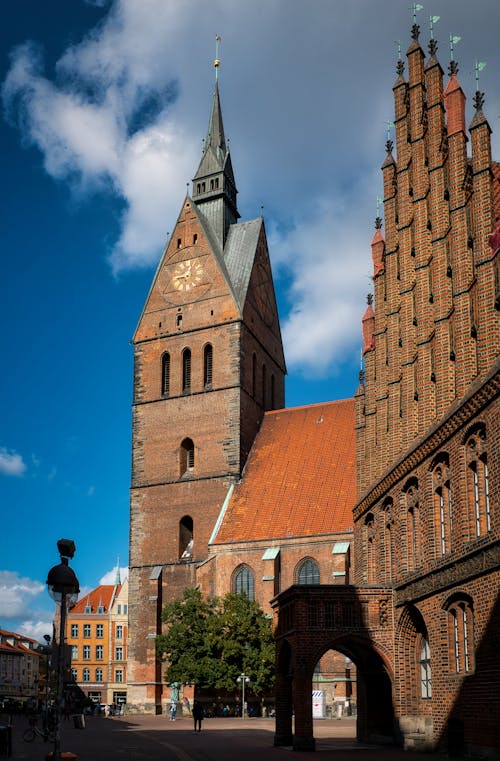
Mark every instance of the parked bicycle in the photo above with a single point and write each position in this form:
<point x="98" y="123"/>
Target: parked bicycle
<point x="45" y="733"/>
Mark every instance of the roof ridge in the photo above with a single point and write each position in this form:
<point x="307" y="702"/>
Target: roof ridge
<point x="331" y="403"/>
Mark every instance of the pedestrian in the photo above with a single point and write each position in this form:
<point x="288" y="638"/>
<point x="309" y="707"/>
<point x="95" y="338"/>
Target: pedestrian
<point x="198" y="714"/>
<point x="173" y="711"/>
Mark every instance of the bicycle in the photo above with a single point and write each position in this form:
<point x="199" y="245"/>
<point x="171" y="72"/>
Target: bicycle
<point x="46" y="734"/>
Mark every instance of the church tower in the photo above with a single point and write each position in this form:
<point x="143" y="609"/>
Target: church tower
<point x="208" y="361"/>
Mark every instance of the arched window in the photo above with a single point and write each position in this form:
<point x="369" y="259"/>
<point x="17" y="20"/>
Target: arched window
<point x="264" y="386"/>
<point x="308" y="572"/>
<point x="273" y="392"/>
<point x="369" y="542"/>
<point x="477" y="482"/>
<point x="388" y="538"/>
<point x="461" y="634"/>
<point x="254" y="375"/>
<point x="442" y="506"/>
<point x="186" y="371"/>
<point x="425" y="668"/>
<point x="243" y="582"/>
<point x="186" y="539"/>
<point x="186" y="457"/>
<point x="165" y="374"/>
<point x="412" y="524"/>
<point x="207" y="366"/>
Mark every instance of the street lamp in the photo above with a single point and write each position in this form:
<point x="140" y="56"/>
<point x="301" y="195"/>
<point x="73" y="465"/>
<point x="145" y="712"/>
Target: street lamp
<point x="47" y="651"/>
<point x="63" y="587"/>
<point x="243" y="679"/>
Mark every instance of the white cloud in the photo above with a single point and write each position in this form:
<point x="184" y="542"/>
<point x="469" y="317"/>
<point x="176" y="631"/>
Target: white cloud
<point x="110" y="576"/>
<point x="37" y="628"/>
<point x="11" y="463"/>
<point x="16" y="594"/>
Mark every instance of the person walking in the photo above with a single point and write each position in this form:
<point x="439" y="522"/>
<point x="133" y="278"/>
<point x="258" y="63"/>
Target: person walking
<point x="198" y="714"/>
<point x="173" y="711"/>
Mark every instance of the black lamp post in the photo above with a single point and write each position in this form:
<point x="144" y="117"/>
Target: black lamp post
<point x="47" y="650"/>
<point x="63" y="588"/>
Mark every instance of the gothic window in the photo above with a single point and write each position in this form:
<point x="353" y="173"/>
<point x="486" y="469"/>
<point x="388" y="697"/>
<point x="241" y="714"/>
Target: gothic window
<point x="273" y="392"/>
<point x="243" y="582"/>
<point x="254" y="375"/>
<point x="461" y="634"/>
<point x="165" y="374"/>
<point x="186" y="457"/>
<point x="207" y="366"/>
<point x="308" y="572"/>
<point x="388" y="538"/>
<point x="186" y="539"/>
<point x="425" y="668"/>
<point x="412" y="524"/>
<point x="478" y="482"/>
<point x="264" y="386"/>
<point x="369" y="537"/>
<point x="186" y="371"/>
<point x="442" y="506"/>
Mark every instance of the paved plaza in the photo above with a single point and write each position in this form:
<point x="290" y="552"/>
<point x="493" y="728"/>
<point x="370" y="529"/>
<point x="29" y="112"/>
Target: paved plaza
<point x="155" y="738"/>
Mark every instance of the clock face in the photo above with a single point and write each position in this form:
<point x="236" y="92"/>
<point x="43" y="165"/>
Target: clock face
<point x="187" y="275"/>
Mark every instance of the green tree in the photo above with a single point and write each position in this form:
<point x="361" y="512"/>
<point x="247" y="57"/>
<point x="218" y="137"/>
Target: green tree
<point x="210" y="642"/>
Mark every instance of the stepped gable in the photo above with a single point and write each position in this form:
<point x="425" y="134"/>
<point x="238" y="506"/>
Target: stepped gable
<point x="300" y="476"/>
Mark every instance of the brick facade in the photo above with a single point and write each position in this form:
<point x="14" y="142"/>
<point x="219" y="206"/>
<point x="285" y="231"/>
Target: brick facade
<point x="426" y="523"/>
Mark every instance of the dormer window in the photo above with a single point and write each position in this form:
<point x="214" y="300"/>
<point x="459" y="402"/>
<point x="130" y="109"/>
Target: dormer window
<point x="100" y="609"/>
<point x="88" y="610"/>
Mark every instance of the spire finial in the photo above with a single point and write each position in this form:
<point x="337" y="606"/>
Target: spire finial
<point x="453" y="67"/>
<point x="217" y="59"/>
<point x="118" y="580"/>
<point x="432" y="42"/>
<point x="369" y="299"/>
<point x="400" y="67"/>
<point x="415" y="30"/>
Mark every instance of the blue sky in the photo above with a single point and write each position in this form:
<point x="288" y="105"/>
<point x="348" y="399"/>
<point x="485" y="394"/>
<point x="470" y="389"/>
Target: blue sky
<point x="105" y="106"/>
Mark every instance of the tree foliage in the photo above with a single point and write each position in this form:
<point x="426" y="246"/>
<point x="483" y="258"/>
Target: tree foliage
<point x="210" y="642"/>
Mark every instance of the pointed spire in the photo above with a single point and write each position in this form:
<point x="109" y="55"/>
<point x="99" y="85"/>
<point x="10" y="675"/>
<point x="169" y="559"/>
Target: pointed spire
<point x="118" y="580"/>
<point x="214" y="186"/>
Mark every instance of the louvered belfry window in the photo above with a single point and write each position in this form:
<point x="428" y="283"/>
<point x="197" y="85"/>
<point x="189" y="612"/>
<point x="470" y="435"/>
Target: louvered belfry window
<point x="186" y="371"/>
<point x="165" y="374"/>
<point x="208" y="366"/>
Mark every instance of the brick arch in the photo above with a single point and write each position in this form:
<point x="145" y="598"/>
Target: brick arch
<point x="472" y="430"/>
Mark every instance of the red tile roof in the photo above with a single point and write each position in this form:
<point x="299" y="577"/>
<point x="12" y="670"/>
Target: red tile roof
<point x="300" y="477"/>
<point x="102" y="595"/>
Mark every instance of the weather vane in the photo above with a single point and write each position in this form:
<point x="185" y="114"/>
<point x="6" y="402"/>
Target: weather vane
<point x="433" y="20"/>
<point x="454" y="38"/>
<point x="389" y="126"/>
<point x="217" y="59"/>
<point x="416" y="7"/>
<point x="478" y="66"/>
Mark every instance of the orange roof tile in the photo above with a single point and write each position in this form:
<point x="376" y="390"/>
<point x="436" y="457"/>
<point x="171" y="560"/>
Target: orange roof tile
<point x="102" y="595"/>
<point x="300" y="477"/>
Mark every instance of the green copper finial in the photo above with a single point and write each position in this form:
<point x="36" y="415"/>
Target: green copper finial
<point x="398" y="43"/>
<point x="433" y="20"/>
<point x="416" y="7"/>
<point x="478" y="66"/>
<point x="217" y="59"/>
<point x="389" y="126"/>
<point x="453" y="41"/>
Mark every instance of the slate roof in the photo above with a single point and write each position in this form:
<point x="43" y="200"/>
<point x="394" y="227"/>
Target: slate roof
<point x="299" y="479"/>
<point x="239" y="255"/>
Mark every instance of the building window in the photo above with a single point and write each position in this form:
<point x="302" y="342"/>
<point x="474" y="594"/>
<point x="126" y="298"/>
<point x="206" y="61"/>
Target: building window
<point x="186" y="371"/>
<point x="308" y="572"/>
<point x="98" y="675"/>
<point x="88" y="610"/>
<point x="100" y="609"/>
<point x="273" y="392"/>
<point x="99" y="652"/>
<point x="369" y="543"/>
<point x="442" y="506"/>
<point x="412" y="525"/>
<point x="74" y="652"/>
<point x="186" y="457"/>
<point x="74" y="675"/>
<point x="119" y="631"/>
<point x="478" y="482"/>
<point x="99" y="631"/>
<point x="86" y="631"/>
<point x="86" y="652"/>
<point x="125" y="610"/>
<point x="118" y="675"/>
<point x="388" y="538"/>
<point x="119" y="609"/>
<point x="74" y="630"/>
<point x="425" y="669"/>
<point x="254" y="375"/>
<point x="264" y="386"/>
<point x="118" y="653"/>
<point x="461" y="634"/>
<point x="243" y="583"/>
<point x="86" y="675"/>
<point x="186" y="538"/>
<point x="207" y="366"/>
<point x="165" y="374"/>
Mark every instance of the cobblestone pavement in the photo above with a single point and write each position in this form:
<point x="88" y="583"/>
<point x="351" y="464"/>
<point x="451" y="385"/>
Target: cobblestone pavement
<point x="155" y="738"/>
